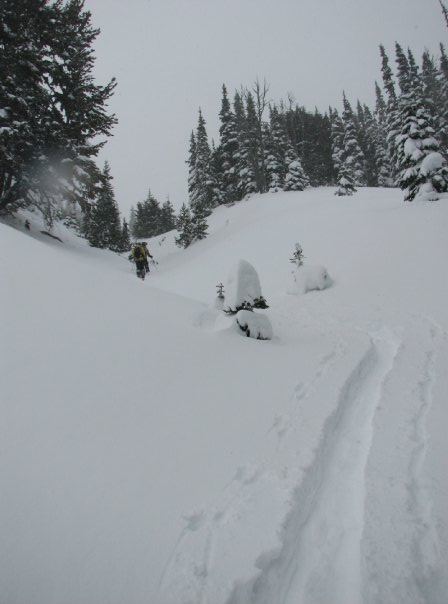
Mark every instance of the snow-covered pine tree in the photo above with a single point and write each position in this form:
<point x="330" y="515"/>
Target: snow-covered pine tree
<point x="379" y="136"/>
<point x="365" y="126"/>
<point x="104" y="227"/>
<point x="422" y="169"/>
<point x="275" y="148"/>
<point x="295" y="179"/>
<point x="51" y="112"/>
<point x="245" y="182"/>
<point x="346" y="180"/>
<point x="184" y="227"/>
<point x="337" y="138"/>
<point x="353" y="158"/>
<point x="191" y="161"/>
<point x="216" y="175"/>
<point x="228" y="148"/>
<point x="254" y="143"/>
<point x="443" y="79"/>
<point x="202" y="186"/>
<point x="199" y="224"/>
<point x="434" y="98"/>
<point x="393" y="119"/>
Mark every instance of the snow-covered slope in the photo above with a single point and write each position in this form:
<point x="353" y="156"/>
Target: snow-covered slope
<point x="150" y="454"/>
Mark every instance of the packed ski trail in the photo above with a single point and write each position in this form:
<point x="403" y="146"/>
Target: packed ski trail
<point x="185" y="464"/>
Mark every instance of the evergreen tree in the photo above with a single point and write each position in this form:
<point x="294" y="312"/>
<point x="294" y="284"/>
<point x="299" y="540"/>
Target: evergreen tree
<point x="254" y="143"/>
<point x="337" y="138"/>
<point x="185" y="228"/>
<point x="370" y="139"/>
<point x="246" y="183"/>
<point x="422" y="170"/>
<point x="51" y="112"/>
<point x="203" y="185"/>
<point x="275" y="148"/>
<point x="228" y="149"/>
<point x="346" y="180"/>
<point x="443" y="79"/>
<point x="434" y="98"/>
<point x="104" y="228"/>
<point x="379" y="137"/>
<point x="148" y="218"/>
<point x="199" y="224"/>
<point x="167" y="217"/>
<point x="353" y="157"/>
<point x="393" y="124"/>
<point x="192" y="166"/>
<point x="295" y="179"/>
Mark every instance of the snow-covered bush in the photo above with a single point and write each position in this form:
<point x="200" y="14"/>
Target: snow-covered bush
<point x="310" y="277"/>
<point x="243" y="290"/>
<point x="254" y="325"/>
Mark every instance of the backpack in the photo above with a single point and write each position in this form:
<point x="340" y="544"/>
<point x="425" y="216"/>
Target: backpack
<point x="138" y="252"/>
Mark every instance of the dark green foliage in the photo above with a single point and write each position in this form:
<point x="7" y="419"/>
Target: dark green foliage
<point x="103" y="228"/>
<point x="148" y="218"/>
<point x="199" y="224"/>
<point x="202" y="185"/>
<point x="167" y="217"/>
<point x="228" y="149"/>
<point x="185" y="227"/>
<point x="51" y="111"/>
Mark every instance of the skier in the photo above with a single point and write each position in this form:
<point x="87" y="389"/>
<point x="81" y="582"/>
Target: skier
<point x="147" y="255"/>
<point x="138" y="255"/>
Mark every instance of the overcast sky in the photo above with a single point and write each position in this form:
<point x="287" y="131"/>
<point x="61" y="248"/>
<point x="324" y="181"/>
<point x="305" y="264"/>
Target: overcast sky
<point x="172" y="56"/>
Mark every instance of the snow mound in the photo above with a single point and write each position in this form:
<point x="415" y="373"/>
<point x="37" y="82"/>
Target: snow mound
<point x="254" y="325"/>
<point x="243" y="287"/>
<point x="311" y="277"/>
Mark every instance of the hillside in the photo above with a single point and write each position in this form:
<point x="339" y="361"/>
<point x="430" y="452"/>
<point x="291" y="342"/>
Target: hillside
<point x="150" y="454"/>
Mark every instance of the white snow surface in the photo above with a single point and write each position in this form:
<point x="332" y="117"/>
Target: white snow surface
<point x="309" y="277"/>
<point x="151" y="455"/>
<point x="254" y="324"/>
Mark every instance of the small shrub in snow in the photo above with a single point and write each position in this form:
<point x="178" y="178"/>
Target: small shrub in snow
<point x="308" y="278"/>
<point x="219" y="301"/>
<point x="297" y="256"/>
<point x="254" y="325"/>
<point x="243" y="291"/>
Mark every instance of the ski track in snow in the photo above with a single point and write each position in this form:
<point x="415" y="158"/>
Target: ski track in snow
<point x="324" y="528"/>
<point x="328" y="550"/>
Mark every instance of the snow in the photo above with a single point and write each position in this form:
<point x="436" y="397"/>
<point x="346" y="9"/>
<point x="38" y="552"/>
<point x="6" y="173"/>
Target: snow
<point x="255" y="325"/>
<point x="242" y="286"/>
<point x="310" y="277"/>
<point x="148" y="453"/>
<point x="431" y="163"/>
